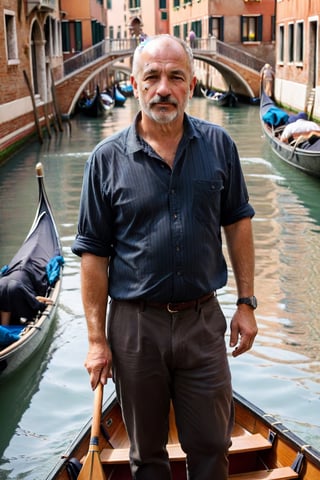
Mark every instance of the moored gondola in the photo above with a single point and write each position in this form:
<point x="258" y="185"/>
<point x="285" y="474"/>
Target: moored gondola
<point x="302" y="150"/>
<point x="92" y="107"/>
<point x="39" y="259"/>
<point x="222" y="99"/>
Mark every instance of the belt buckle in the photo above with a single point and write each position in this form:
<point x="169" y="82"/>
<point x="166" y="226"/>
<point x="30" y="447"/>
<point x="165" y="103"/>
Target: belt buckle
<point x="170" y="309"/>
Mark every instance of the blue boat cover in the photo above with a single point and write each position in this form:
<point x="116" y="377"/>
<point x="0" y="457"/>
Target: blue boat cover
<point x="53" y="269"/>
<point x="9" y="334"/>
<point x="275" y="117"/>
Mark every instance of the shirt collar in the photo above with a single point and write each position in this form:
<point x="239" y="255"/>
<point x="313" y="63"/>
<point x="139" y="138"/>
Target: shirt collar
<point x="134" y="144"/>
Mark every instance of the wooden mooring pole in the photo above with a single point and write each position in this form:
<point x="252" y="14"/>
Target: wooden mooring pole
<point x="55" y="102"/>
<point x="35" y="111"/>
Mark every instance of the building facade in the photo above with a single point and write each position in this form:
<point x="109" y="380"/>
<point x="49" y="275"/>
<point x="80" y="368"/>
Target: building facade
<point x="83" y="24"/>
<point x="297" y="54"/>
<point x="245" y="24"/>
<point x="30" y="46"/>
<point x="37" y="36"/>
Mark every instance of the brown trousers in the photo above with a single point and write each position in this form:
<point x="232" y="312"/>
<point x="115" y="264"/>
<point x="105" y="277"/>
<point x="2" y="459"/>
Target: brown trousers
<point x="158" y="357"/>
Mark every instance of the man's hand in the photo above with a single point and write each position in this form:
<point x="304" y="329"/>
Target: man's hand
<point x="99" y="364"/>
<point x="243" y="330"/>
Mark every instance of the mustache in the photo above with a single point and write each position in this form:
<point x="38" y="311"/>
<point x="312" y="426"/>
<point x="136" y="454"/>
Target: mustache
<point x="163" y="99"/>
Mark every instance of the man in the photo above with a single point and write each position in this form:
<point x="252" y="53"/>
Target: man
<point x="267" y="79"/>
<point x="192" y="39"/>
<point x="154" y="198"/>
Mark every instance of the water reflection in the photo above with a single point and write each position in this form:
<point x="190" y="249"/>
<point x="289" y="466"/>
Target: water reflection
<point x="281" y="374"/>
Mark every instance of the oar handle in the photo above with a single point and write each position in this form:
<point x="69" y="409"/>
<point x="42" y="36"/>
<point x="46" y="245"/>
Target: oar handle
<point x="97" y="407"/>
<point x="39" y="169"/>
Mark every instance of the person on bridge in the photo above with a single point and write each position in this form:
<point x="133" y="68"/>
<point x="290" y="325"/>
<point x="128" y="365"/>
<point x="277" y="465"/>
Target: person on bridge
<point x="155" y="197"/>
<point x="192" y="39"/>
<point x="267" y="79"/>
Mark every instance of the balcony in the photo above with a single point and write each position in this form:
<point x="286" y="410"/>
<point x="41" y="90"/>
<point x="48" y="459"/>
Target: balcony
<point x="135" y="12"/>
<point x="44" y="5"/>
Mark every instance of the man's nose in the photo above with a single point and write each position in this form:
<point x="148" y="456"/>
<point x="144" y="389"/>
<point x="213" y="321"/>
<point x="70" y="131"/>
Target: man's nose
<point x="163" y="88"/>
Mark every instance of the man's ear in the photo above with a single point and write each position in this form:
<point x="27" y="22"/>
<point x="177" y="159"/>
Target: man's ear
<point x="193" y="84"/>
<point x="135" y="86"/>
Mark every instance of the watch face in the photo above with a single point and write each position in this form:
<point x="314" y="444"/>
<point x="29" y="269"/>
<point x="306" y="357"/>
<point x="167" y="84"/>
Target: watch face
<point x="252" y="301"/>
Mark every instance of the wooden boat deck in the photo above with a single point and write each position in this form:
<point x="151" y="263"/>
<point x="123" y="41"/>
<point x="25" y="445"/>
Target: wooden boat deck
<point x="246" y="453"/>
<point x="262" y="449"/>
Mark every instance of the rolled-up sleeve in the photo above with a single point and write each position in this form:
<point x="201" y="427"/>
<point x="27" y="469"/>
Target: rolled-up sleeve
<point x="235" y="202"/>
<point x="94" y="223"/>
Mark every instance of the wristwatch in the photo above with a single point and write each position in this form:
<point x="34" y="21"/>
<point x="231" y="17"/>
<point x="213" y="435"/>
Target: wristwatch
<point x="251" y="301"/>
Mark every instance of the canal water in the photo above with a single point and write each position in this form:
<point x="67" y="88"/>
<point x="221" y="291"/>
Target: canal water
<point x="45" y="404"/>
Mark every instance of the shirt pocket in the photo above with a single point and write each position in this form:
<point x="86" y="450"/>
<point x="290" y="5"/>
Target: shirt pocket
<point x="207" y="200"/>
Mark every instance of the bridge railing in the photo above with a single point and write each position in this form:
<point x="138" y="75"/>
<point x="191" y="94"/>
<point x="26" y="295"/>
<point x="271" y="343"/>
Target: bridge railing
<point x="99" y="50"/>
<point x="127" y="45"/>
<point x="211" y="45"/>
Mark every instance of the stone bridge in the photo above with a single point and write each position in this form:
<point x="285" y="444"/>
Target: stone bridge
<point x="239" y="69"/>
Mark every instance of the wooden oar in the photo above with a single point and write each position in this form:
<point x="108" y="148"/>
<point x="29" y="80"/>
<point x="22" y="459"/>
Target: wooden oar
<point x="92" y="467"/>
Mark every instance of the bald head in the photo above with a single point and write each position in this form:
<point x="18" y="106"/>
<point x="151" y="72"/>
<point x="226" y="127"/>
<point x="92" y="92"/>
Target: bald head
<point x="161" y="43"/>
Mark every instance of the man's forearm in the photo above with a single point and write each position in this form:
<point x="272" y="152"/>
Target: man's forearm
<point x="94" y="291"/>
<point x="239" y="239"/>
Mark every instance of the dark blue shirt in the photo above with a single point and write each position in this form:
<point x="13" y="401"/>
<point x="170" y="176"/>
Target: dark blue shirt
<point x="161" y="228"/>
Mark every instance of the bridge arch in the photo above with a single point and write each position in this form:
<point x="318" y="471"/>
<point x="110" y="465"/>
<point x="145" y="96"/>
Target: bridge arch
<point x="231" y="76"/>
<point x="90" y="77"/>
<point x="244" y="79"/>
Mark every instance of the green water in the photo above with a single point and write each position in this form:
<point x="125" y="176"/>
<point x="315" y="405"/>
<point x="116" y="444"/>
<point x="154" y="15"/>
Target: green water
<point x="44" y="406"/>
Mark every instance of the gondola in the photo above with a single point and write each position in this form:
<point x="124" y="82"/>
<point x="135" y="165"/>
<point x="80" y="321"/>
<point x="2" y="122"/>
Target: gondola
<point x="108" y="102"/>
<point x="92" y="107"/>
<point x="222" y="99"/>
<point x="126" y="89"/>
<point x="119" y="98"/>
<point x="302" y="152"/>
<point x="262" y="448"/>
<point x="41" y="255"/>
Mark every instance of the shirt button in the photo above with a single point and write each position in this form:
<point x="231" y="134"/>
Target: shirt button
<point x="175" y="216"/>
<point x="177" y="248"/>
<point x="178" y="273"/>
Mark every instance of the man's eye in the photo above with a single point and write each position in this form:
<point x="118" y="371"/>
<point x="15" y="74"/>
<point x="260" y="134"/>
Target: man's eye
<point x="151" y="76"/>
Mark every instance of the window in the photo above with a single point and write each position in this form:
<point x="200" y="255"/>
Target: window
<point x="65" y="36"/>
<point x="291" y="42"/>
<point x="216" y="27"/>
<point x="11" y="37"/>
<point x="109" y="4"/>
<point x="71" y="36"/>
<point x="162" y="3"/>
<point x="97" y="31"/>
<point x="134" y="4"/>
<point x="164" y="15"/>
<point x="281" y="44"/>
<point x="196" y="26"/>
<point x="176" y="31"/>
<point x="176" y="3"/>
<point x="185" y="31"/>
<point x="251" y="28"/>
<point x="78" y="36"/>
<point x="299" y="42"/>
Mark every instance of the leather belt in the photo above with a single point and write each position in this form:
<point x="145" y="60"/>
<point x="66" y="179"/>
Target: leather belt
<point x="172" y="307"/>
